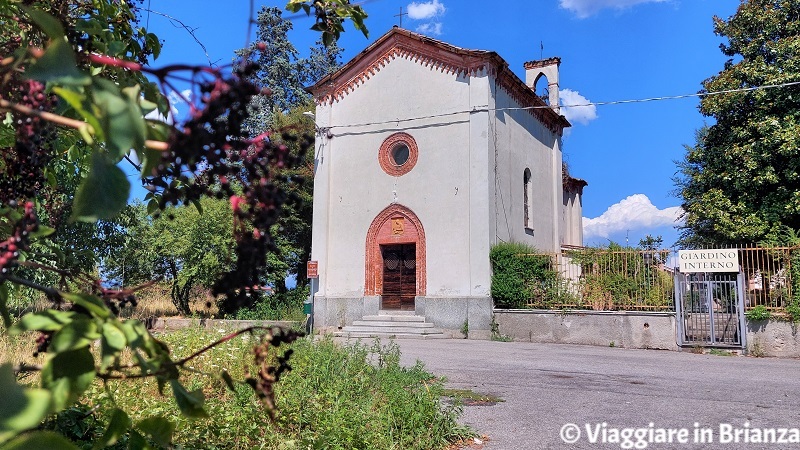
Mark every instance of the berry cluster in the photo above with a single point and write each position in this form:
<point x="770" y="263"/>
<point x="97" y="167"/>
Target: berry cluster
<point x="19" y="239"/>
<point x="213" y="156"/>
<point x="42" y="342"/>
<point x="24" y="163"/>
<point x="264" y="382"/>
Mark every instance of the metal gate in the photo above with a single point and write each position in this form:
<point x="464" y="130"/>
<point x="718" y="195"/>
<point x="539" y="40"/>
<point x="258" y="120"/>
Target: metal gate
<point x="710" y="309"/>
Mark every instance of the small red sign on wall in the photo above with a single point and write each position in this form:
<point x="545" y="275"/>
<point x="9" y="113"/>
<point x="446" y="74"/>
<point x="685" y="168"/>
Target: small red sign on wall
<point x="312" y="269"/>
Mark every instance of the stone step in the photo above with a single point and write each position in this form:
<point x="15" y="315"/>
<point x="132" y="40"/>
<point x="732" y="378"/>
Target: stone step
<point x="361" y="335"/>
<point x="381" y="324"/>
<point x="390" y="329"/>
<point x="395" y="318"/>
<point x="396" y="312"/>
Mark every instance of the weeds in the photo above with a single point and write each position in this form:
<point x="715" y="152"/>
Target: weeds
<point x="495" y="332"/>
<point x="336" y="397"/>
<point x="468" y="397"/>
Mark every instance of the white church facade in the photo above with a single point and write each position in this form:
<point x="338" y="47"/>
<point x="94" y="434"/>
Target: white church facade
<point x="428" y="154"/>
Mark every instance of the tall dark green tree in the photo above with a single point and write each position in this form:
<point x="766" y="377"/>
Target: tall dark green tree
<point x="286" y="75"/>
<point x="740" y="182"/>
<point x="281" y="68"/>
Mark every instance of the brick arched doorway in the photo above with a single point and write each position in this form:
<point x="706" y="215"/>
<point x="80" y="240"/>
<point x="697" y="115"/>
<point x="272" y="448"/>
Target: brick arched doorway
<point x="396" y="258"/>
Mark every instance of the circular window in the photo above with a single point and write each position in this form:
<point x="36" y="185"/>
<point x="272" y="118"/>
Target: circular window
<point x="398" y="154"/>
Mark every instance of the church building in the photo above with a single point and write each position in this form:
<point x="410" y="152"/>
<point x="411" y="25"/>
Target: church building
<point x="428" y="154"/>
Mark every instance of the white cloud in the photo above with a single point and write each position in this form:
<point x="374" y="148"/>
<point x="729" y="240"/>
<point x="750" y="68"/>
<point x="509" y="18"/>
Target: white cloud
<point x="434" y="28"/>
<point x="175" y="100"/>
<point x="636" y="212"/>
<point x="576" y="114"/>
<point x="586" y="8"/>
<point x="425" y="10"/>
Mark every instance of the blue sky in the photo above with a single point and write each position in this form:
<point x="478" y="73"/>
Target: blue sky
<point x="611" y="50"/>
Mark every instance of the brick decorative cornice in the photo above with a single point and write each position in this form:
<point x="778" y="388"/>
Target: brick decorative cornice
<point x="440" y="56"/>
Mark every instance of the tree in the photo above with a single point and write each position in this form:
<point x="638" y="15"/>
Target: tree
<point x="281" y="70"/>
<point x="182" y="246"/>
<point x="293" y="229"/>
<point x="739" y="182"/>
<point x="75" y="71"/>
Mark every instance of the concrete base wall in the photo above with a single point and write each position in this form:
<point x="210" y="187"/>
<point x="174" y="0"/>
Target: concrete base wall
<point x="448" y="314"/>
<point x="618" y="329"/>
<point x="334" y="313"/>
<point x="773" y="338"/>
<point x="453" y="315"/>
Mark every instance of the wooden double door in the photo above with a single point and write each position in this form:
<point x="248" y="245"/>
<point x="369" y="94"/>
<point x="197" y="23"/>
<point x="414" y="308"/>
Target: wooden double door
<point x="399" y="276"/>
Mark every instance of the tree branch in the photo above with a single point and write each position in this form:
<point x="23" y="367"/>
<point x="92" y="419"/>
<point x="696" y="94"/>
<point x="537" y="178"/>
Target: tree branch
<point x="50" y="292"/>
<point x="5" y="105"/>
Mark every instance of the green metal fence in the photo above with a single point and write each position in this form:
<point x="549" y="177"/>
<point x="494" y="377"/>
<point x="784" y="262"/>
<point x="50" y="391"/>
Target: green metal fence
<point x="643" y="280"/>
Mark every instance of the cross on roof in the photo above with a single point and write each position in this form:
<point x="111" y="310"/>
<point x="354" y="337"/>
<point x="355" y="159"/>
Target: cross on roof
<point x="401" y="16"/>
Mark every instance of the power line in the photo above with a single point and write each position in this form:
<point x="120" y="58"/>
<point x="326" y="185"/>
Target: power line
<point x="577" y="105"/>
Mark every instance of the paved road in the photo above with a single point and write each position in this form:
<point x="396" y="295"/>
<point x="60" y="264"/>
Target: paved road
<point x="547" y="386"/>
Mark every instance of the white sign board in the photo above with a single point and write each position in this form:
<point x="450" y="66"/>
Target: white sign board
<point x="712" y="260"/>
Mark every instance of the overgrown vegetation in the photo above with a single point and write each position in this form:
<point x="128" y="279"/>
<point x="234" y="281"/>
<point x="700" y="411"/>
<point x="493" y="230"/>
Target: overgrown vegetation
<point x="617" y="277"/>
<point x="336" y="397"/>
<point x="599" y="278"/>
<point x="760" y="312"/>
<point x="519" y="274"/>
<point x="277" y="306"/>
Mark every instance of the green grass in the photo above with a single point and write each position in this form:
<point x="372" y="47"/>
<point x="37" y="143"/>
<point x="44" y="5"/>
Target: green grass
<point x="468" y="397"/>
<point x="336" y="397"/>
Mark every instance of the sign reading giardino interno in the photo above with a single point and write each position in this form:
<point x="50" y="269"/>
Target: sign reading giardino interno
<point x="711" y="260"/>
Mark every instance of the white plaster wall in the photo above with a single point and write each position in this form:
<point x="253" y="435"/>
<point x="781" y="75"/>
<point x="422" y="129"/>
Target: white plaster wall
<point x="351" y="188"/>
<point x="522" y="141"/>
<point x="571" y="219"/>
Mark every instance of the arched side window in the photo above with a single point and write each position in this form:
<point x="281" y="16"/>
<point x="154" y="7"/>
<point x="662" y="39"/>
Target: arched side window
<point x="526" y="178"/>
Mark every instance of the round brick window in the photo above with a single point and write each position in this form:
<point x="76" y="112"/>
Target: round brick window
<point x="398" y="154"/>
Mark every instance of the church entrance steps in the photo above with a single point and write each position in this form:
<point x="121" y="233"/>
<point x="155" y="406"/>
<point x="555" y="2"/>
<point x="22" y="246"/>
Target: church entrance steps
<point x="391" y="324"/>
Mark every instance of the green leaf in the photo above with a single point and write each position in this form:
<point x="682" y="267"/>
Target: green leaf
<point x="67" y="375"/>
<point x="42" y="231"/>
<point x="79" y="333"/>
<point x="137" y="442"/>
<point x="41" y="440"/>
<point x="76" y="101"/>
<point x="120" y="117"/>
<point x="226" y="377"/>
<point x="198" y="206"/>
<point x="190" y="403"/>
<point x="21" y="408"/>
<point x="117" y="427"/>
<point x="112" y="343"/>
<point x="49" y="320"/>
<point x="151" y="40"/>
<point x="49" y="24"/>
<point x="113" y="337"/>
<point x="102" y="194"/>
<point x="152" y="158"/>
<point x="159" y="429"/>
<point x="58" y="65"/>
<point x="116" y="48"/>
<point x="93" y="304"/>
<point x="4" y="305"/>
